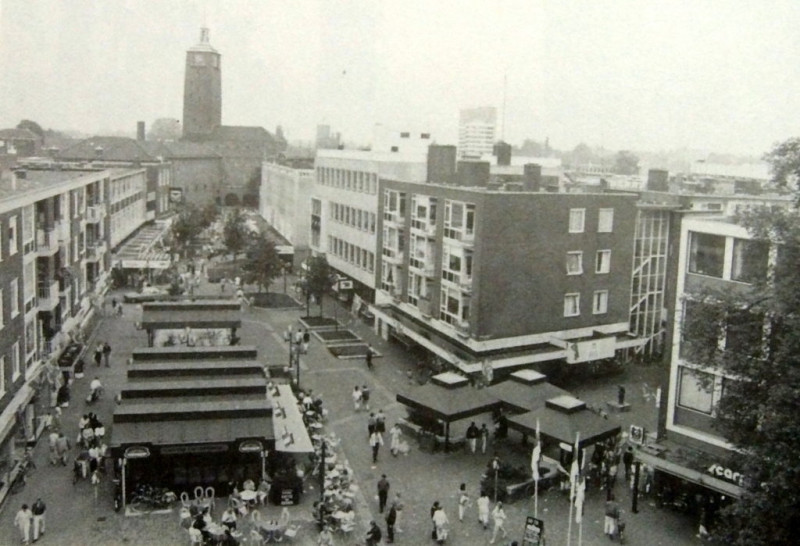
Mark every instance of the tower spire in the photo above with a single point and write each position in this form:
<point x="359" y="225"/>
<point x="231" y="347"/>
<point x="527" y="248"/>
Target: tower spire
<point x="204" y="35"/>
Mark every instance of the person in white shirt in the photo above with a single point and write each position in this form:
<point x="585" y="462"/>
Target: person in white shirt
<point x="394" y="434"/>
<point x="440" y="521"/>
<point x="375" y="442"/>
<point x="483" y="509"/>
<point x="499" y="517"/>
<point x="95" y="386"/>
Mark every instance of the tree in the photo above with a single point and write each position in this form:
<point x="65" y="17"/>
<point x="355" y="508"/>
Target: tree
<point x="784" y="160"/>
<point x="31" y="126"/>
<point x="626" y="162"/>
<point x="263" y="264"/>
<point x="185" y="229"/>
<point x="760" y="360"/>
<point x="582" y="155"/>
<point x="208" y="214"/>
<point x="318" y="279"/>
<point x="235" y="233"/>
<point x="165" y="129"/>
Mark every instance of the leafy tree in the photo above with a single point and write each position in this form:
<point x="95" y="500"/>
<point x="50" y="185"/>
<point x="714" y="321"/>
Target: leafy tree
<point x="31" y="126"/>
<point x="263" y="264"/>
<point x="165" y="129"/>
<point x="208" y="214"/>
<point x="235" y="233"/>
<point x="185" y="229"/>
<point x="760" y="360"/>
<point x="582" y="155"/>
<point x="318" y="279"/>
<point x="784" y="160"/>
<point x="626" y="162"/>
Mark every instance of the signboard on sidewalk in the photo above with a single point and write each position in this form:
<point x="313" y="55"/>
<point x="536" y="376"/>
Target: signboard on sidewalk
<point x="534" y="532"/>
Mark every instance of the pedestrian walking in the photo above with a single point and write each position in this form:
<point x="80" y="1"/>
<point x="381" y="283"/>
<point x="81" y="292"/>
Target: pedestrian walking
<point x="472" y="436"/>
<point x="371" y="424"/>
<point x="368" y="356"/>
<point x="325" y="537"/>
<point x="627" y="460"/>
<point x="463" y="501"/>
<point x="356" y="398"/>
<point x="395" y="433"/>
<point x="365" y="397"/>
<point x="484" y="438"/>
<point x="113" y="306"/>
<point x="434" y="508"/>
<point x="483" y="510"/>
<point x="53" y="446"/>
<point x="96" y="485"/>
<point x="38" y="510"/>
<point x="440" y="523"/>
<point x="375" y="442"/>
<point x="119" y="309"/>
<point x="107" y="354"/>
<point x="391" y="520"/>
<point x="22" y="521"/>
<point x="98" y="354"/>
<point x="62" y="447"/>
<point x="612" y="513"/>
<point x="398" y="506"/>
<point x="499" y="519"/>
<point x="306" y="340"/>
<point x="383" y="492"/>
<point x="380" y="421"/>
<point x="374" y="534"/>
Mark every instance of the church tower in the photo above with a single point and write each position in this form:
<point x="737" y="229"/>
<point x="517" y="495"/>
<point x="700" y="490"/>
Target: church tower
<point x="202" y="90"/>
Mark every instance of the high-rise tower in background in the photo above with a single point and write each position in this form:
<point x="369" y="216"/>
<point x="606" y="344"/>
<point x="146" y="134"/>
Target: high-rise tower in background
<point x="202" y="90"/>
<point x="476" y="131"/>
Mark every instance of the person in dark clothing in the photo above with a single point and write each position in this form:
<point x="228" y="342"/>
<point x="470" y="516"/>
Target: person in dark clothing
<point x="391" y="518"/>
<point x="627" y="460"/>
<point x="472" y="436"/>
<point x="374" y="534"/>
<point x="368" y="356"/>
<point x="383" y="492"/>
<point x="365" y="397"/>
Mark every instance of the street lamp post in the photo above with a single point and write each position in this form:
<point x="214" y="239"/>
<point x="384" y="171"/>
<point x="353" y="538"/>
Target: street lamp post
<point x="336" y="303"/>
<point x="294" y="354"/>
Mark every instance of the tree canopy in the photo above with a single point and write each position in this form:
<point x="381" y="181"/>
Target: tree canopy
<point x="189" y="224"/>
<point x="626" y="162"/>
<point x="318" y="279"/>
<point x="235" y="232"/>
<point x="752" y="336"/>
<point x="263" y="264"/>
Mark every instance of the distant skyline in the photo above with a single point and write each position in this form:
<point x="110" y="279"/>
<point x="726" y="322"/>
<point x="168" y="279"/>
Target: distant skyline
<point x="712" y="75"/>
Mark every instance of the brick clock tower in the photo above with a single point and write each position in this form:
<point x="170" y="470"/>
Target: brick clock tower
<point x="202" y="90"/>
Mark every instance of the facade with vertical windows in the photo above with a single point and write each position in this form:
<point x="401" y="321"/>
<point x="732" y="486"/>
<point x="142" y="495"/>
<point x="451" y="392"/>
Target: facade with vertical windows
<point x="285" y="203"/>
<point x="56" y="229"/>
<point x="516" y="278"/>
<point x="345" y="208"/>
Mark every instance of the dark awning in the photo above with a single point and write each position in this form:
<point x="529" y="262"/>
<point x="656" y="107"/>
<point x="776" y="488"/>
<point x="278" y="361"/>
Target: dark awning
<point x="165" y="433"/>
<point x="217" y="318"/>
<point x="564" y="427"/>
<point x="689" y="474"/>
<point x="449" y="404"/>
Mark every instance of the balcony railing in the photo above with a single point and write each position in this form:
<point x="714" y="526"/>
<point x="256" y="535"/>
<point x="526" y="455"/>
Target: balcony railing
<point x="48" y="294"/>
<point x="95" y="250"/>
<point x="95" y="213"/>
<point x="46" y="242"/>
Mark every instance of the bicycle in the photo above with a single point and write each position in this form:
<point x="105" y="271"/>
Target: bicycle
<point x="26" y="467"/>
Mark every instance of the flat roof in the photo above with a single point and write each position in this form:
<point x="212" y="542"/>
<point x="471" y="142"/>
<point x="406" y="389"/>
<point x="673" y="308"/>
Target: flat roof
<point x="162" y="369"/>
<point x="193" y="318"/>
<point x="191" y="411"/>
<point x="191" y="432"/>
<point x="180" y="352"/>
<point x="203" y="385"/>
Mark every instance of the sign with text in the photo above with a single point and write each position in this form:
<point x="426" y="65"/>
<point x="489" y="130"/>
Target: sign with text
<point x="534" y="532"/>
<point x="590" y="349"/>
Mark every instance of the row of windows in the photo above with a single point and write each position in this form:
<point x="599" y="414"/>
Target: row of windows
<point x="572" y="303"/>
<point x="700" y="391"/>
<point x="360" y="257"/>
<point x="746" y="261"/>
<point x="128" y="201"/>
<point x="351" y="216"/>
<point x="15" y="367"/>
<point x="602" y="262"/>
<point x="359" y="181"/>
<point x="577" y="220"/>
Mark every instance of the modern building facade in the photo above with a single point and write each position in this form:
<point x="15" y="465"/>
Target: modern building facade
<point x="345" y="208"/>
<point x="476" y="132"/>
<point x="285" y="203"/>
<point x="512" y="278"/>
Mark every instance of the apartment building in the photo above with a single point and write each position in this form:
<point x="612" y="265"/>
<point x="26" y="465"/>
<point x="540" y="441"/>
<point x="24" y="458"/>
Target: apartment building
<point x="56" y="229"/>
<point x="345" y="210"/>
<point x="476" y="132"/>
<point x="512" y="278"/>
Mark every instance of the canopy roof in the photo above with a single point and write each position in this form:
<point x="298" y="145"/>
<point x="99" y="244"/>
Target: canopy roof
<point x="449" y="404"/>
<point x="291" y="435"/>
<point x="518" y="396"/>
<point x="565" y="426"/>
<point x="193" y="318"/>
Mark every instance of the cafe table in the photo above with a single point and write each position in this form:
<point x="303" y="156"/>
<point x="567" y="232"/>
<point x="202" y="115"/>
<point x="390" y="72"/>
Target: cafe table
<point x="270" y="530"/>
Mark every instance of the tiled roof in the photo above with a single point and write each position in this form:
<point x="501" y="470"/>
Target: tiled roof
<point x="181" y="149"/>
<point x="240" y="132"/>
<point x="113" y="149"/>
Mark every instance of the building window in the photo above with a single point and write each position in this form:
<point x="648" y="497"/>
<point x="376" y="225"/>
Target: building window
<point x="395" y="148"/>
<point x="572" y="305"/>
<point x="577" y="219"/>
<point x="425" y="136"/>
<point x="574" y="263"/>
<point x="749" y="260"/>
<point x="600" y="302"/>
<point x="12" y="235"/>
<point x="2" y="375"/>
<point x="14" y="293"/>
<point x="605" y="221"/>
<point x="696" y="390"/>
<point x="2" y="310"/>
<point x="405" y="135"/>
<point x="706" y="254"/>
<point x="603" y="261"/>
<point x="15" y="371"/>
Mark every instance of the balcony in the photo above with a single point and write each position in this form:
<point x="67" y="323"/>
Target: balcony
<point x="48" y="294"/>
<point x="393" y="256"/>
<point x="62" y="230"/>
<point x="46" y="242"/>
<point x="393" y="217"/>
<point x="429" y="272"/>
<point x="95" y="213"/>
<point x="95" y="250"/>
<point x="466" y="285"/>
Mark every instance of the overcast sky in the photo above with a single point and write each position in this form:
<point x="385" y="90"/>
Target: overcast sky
<point x="643" y="75"/>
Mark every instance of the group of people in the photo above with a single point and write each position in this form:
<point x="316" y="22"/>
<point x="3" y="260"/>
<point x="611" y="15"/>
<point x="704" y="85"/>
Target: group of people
<point x="474" y="434"/>
<point x="30" y="521"/>
<point x="102" y="354"/>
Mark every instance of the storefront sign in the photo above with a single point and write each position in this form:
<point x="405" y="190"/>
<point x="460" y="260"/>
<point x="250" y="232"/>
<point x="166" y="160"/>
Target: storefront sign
<point x="636" y="435"/>
<point x="719" y="471"/>
<point x="181" y="450"/>
<point x="137" y="453"/>
<point x="251" y="446"/>
<point x="592" y="349"/>
<point x="287" y="497"/>
<point x="534" y="532"/>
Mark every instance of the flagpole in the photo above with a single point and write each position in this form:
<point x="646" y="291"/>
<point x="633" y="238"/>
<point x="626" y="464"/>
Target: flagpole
<point x="538" y="451"/>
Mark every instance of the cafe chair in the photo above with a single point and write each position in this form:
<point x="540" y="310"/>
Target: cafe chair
<point x="209" y="494"/>
<point x="186" y="502"/>
<point x="195" y="536"/>
<point x="198" y="493"/>
<point x="255" y="516"/>
<point x="291" y="531"/>
<point x="346" y="528"/>
<point x="255" y="537"/>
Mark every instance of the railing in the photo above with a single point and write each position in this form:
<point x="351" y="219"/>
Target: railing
<point x="46" y="241"/>
<point x="95" y="250"/>
<point x="95" y="213"/>
<point x="48" y="294"/>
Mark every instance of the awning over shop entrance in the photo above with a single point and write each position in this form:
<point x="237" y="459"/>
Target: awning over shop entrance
<point x="291" y="435"/>
<point x="563" y="419"/>
<point x="689" y="474"/>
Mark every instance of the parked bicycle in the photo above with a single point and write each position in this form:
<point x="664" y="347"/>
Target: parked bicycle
<point x="25" y="467"/>
<point x="146" y="497"/>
